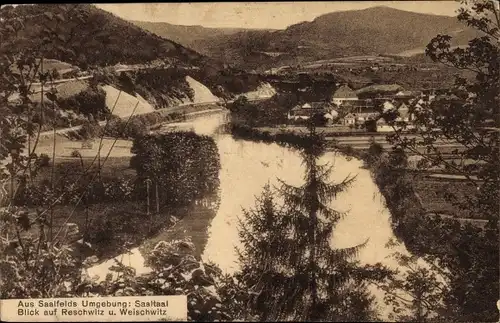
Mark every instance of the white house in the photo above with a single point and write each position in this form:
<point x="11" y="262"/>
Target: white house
<point x="349" y="119"/>
<point x="361" y="118"/>
<point x="305" y="111"/>
<point x="343" y="94"/>
<point x="388" y="106"/>
<point x="404" y="113"/>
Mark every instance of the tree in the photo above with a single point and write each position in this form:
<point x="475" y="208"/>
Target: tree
<point x="184" y="164"/>
<point x="472" y="122"/>
<point x="371" y="125"/>
<point x="318" y="119"/>
<point x="287" y="262"/>
<point x="55" y="74"/>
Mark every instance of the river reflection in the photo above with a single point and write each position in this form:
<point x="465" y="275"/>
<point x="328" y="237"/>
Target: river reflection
<point x="247" y="166"/>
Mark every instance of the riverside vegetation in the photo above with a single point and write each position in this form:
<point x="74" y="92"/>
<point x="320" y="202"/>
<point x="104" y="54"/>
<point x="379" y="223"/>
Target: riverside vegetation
<point x="466" y="256"/>
<point x="283" y="246"/>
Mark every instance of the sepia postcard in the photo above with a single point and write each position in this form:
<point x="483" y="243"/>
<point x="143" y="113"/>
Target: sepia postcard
<point x="250" y="161"/>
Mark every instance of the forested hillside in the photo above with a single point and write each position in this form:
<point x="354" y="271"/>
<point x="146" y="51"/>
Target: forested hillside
<point x="373" y="31"/>
<point x="85" y="35"/>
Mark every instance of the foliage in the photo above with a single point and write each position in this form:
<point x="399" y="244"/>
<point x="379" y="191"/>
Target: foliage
<point x="71" y="182"/>
<point x="467" y="255"/>
<point x="44" y="160"/>
<point x="75" y="154"/>
<point x="91" y="101"/>
<point x="318" y="119"/>
<point x="88" y="130"/>
<point x="184" y="165"/>
<point x="371" y="125"/>
<point x="265" y="113"/>
<point x="175" y="271"/>
<point x="416" y="292"/>
<point x="287" y="261"/>
<point x="286" y="139"/>
<point x="118" y="128"/>
<point x="473" y="121"/>
<point x="37" y="258"/>
<point x="48" y="269"/>
<point x="90" y="36"/>
<point x="151" y="84"/>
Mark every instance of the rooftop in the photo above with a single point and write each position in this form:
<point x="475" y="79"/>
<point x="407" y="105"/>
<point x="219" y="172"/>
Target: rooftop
<point x="344" y="92"/>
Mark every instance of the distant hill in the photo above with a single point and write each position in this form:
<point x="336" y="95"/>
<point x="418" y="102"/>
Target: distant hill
<point x="188" y="36"/>
<point x="85" y="35"/>
<point x="378" y="30"/>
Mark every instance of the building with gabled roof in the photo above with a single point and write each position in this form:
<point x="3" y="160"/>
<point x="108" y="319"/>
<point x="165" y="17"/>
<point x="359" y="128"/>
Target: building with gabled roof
<point x="306" y="110"/>
<point x="404" y="113"/>
<point x="343" y="94"/>
<point x="349" y="119"/>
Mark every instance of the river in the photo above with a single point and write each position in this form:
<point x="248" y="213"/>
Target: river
<point x="247" y="166"/>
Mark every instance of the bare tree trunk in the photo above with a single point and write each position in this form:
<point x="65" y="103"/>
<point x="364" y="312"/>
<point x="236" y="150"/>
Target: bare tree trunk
<point x="52" y="175"/>
<point x="157" y="199"/>
<point x="147" y="198"/>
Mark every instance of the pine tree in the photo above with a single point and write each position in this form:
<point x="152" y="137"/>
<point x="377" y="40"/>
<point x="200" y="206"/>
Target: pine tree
<point x="287" y="261"/>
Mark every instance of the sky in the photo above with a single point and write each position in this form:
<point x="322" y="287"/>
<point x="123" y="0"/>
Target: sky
<point x="266" y="15"/>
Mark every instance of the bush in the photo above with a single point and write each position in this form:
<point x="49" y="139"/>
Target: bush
<point x="119" y="128"/>
<point x="89" y="102"/>
<point x="44" y="160"/>
<point x="76" y="154"/>
<point x="90" y="130"/>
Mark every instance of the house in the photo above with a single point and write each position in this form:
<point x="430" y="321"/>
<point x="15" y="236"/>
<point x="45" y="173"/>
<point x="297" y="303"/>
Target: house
<point x="357" y="106"/>
<point x="352" y="118"/>
<point x="343" y="94"/>
<point x="387" y="106"/>
<point x="299" y="113"/>
<point x="381" y="122"/>
<point x="404" y="113"/>
<point x="349" y="119"/>
<point x="361" y="118"/>
<point x="306" y="110"/>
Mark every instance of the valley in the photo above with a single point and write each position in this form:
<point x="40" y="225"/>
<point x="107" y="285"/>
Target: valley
<point x="266" y="174"/>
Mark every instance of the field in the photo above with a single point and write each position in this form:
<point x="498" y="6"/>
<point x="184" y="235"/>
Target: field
<point x="442" y="195"/>
<point x="87" y="148"/>
<point x="356" y="138"/>
<point x="324" y="130"/>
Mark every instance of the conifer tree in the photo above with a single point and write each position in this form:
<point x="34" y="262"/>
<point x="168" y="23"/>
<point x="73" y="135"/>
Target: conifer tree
<point x="287" y="261"/>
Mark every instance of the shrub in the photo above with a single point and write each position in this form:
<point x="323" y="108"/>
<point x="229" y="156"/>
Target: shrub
<point x="90" y="130"/>
<point x="90" y="102"/>
<point x="44" y="160"/>
<point x="76" y="154"/>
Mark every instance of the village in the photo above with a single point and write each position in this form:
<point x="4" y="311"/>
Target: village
<point x="363" y="110"/>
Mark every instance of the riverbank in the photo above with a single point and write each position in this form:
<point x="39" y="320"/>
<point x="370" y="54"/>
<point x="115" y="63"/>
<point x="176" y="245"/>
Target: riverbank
<point x="107" y="204"/>
<point x="412" y="215"/>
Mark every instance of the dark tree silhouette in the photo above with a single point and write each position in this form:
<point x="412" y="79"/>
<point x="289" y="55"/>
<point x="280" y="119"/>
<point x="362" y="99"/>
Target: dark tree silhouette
<point x="288" y="263"/>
